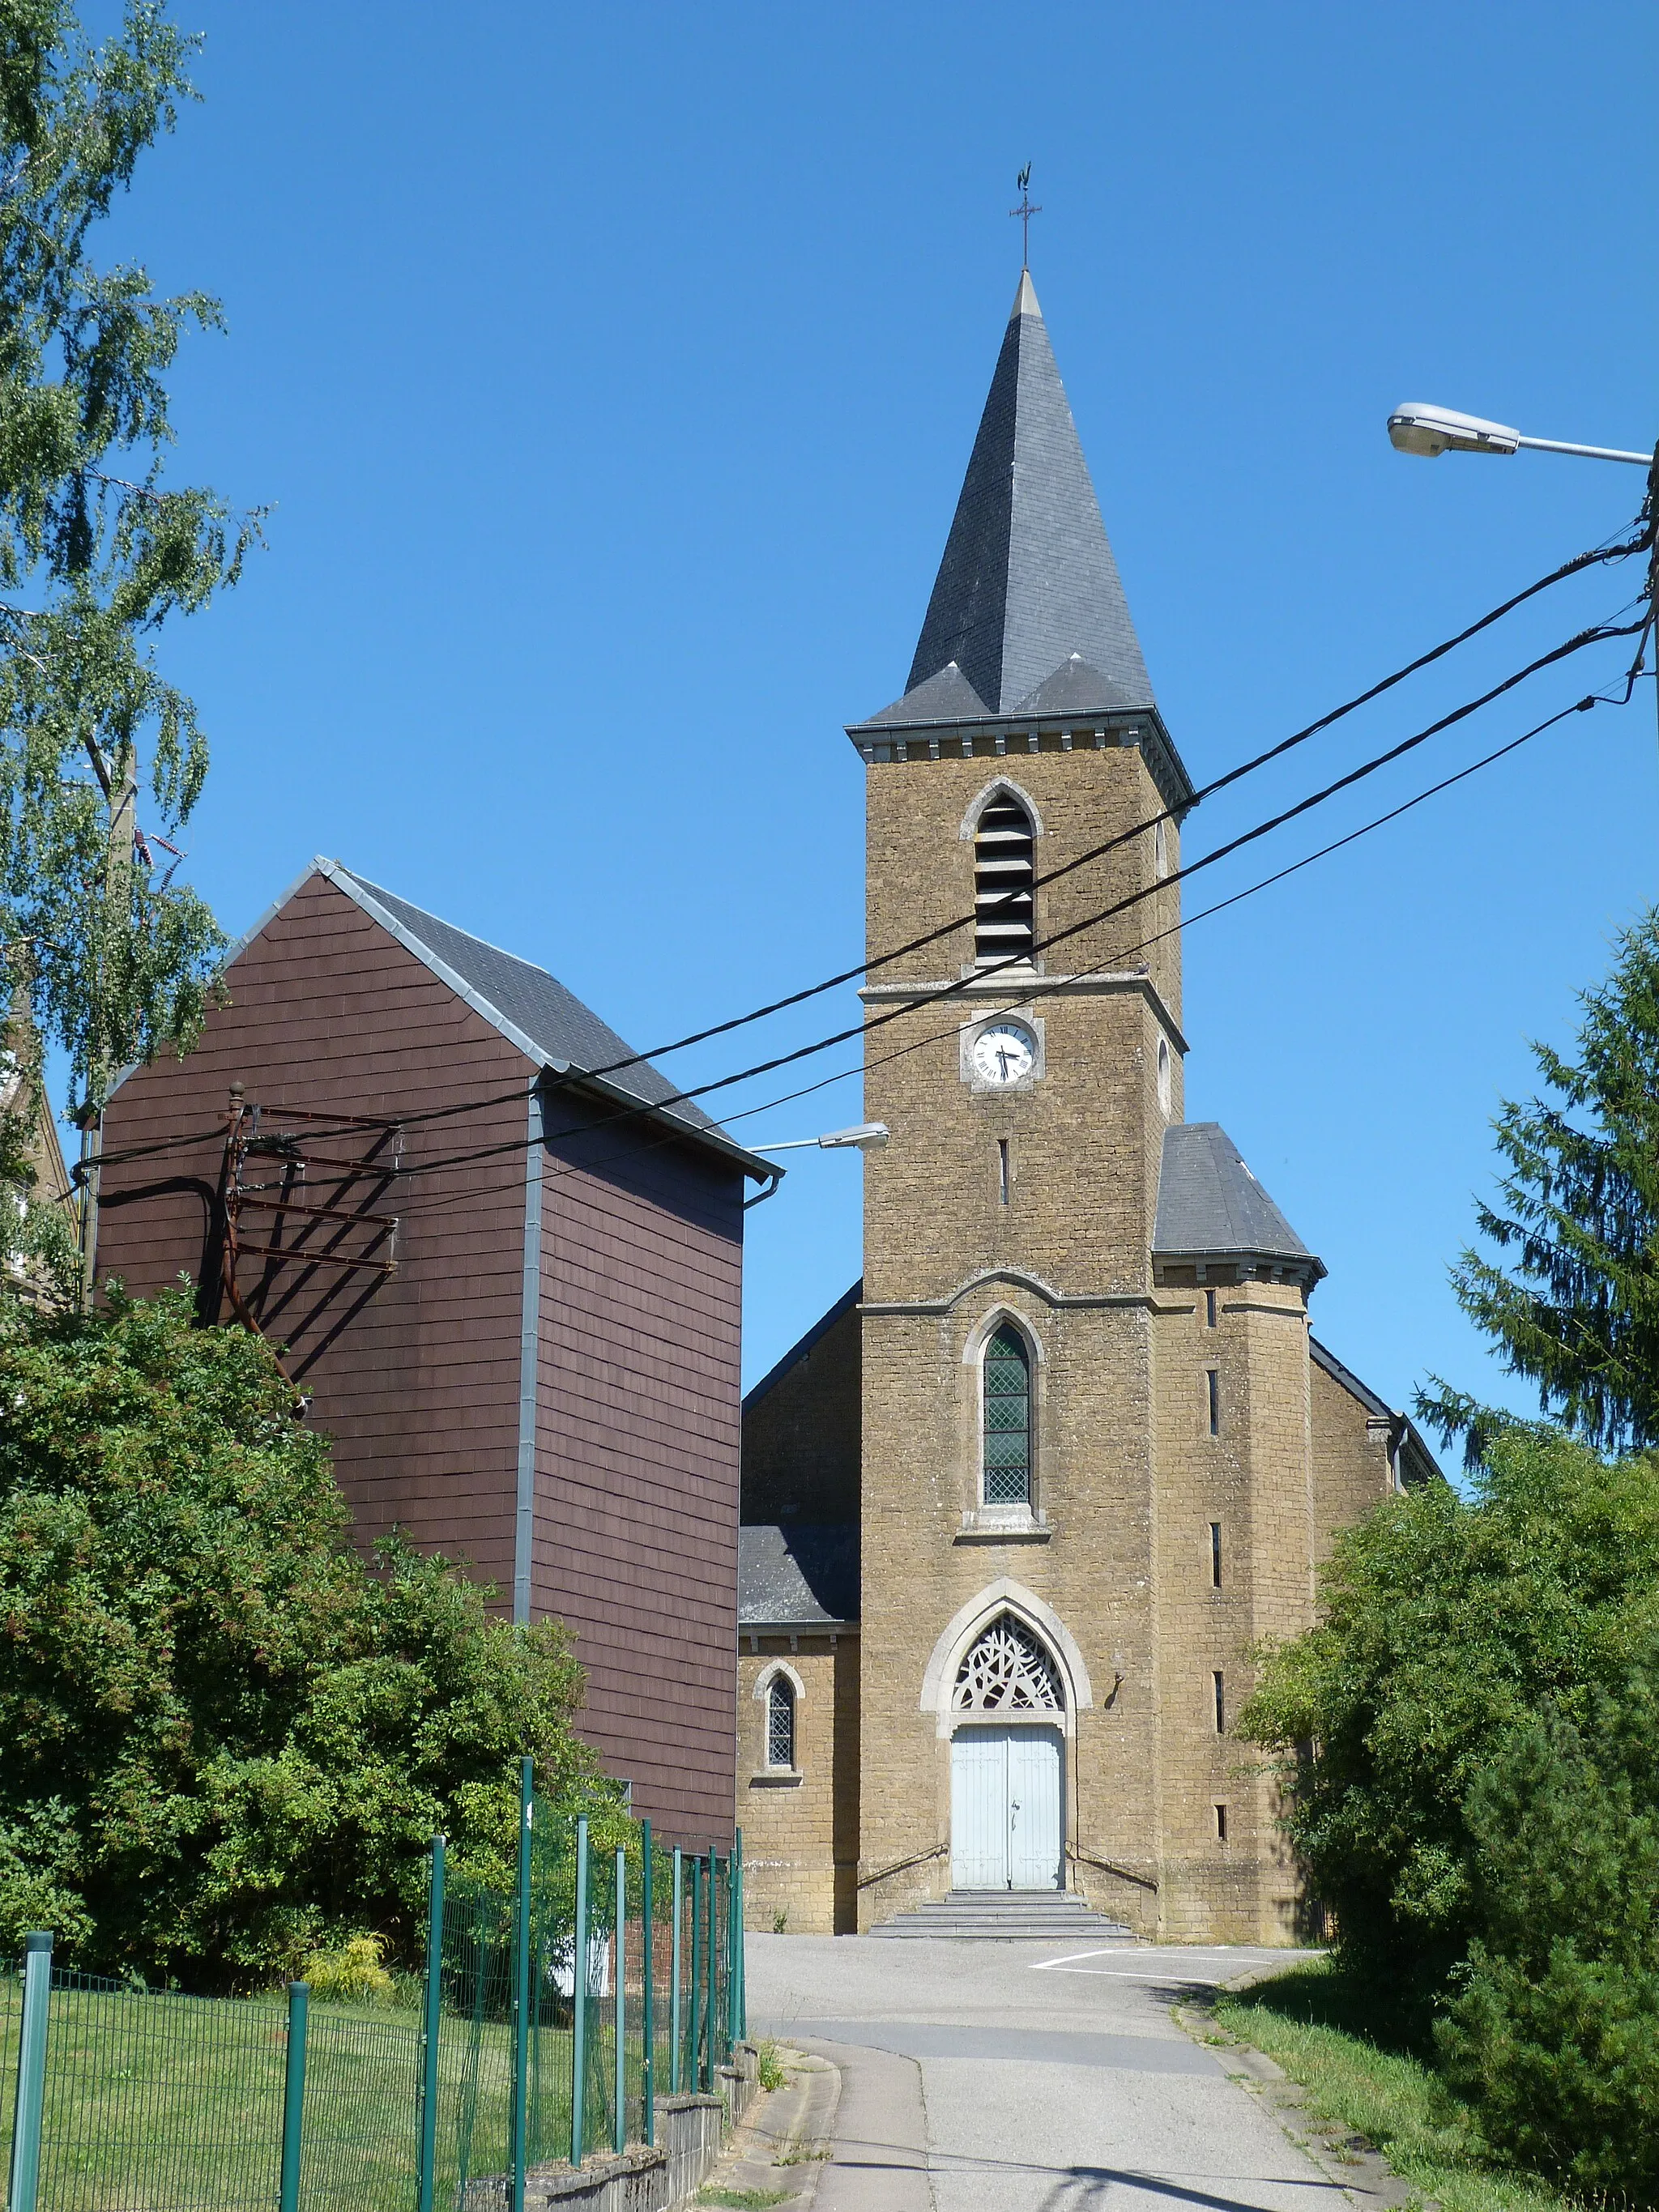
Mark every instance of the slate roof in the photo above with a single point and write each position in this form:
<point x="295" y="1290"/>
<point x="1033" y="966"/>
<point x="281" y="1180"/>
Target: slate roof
<point x="1028" y="578"/>
<point x="1210" y="1207"/>
<point x="531" y="1008"/>
<point x="797" y="1575"/>
<point x="563" y="1030"/>
<point x="946" y="697"/>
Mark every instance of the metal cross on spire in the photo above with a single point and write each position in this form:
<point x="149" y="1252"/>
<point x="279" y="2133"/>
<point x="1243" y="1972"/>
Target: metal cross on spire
<point x="1025" y="211"/>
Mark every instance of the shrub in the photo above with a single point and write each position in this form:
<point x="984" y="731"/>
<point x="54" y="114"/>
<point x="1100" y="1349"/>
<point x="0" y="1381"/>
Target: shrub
<point x="353" y="1974"/>
<point x="225" y="1738"/>
<point x="1450" y="1624"/>
<point x="1554" y="2034"/>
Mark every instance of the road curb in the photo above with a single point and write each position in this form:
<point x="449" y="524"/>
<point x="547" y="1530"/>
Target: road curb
<point x="785" y="2136"/>
<point x="1351" y="2162"/>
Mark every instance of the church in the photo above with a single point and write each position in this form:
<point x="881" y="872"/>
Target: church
<point x="1018" y="1508"/>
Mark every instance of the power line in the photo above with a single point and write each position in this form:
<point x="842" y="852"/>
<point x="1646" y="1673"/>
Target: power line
<point x="930" y="997"/>
<point x="1597" y="556"/>
<point x="1596" y="635"/>
<point x="917" y="1044"/>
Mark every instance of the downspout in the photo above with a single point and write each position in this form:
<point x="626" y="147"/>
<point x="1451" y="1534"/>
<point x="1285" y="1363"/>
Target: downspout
<point x="524" y="1527"/>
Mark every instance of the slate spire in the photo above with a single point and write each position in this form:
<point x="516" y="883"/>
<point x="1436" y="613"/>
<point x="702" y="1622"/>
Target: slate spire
<point x="1027" y="612"/>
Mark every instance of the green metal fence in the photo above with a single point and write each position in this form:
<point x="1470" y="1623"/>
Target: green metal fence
<point x="553" y="2020"/>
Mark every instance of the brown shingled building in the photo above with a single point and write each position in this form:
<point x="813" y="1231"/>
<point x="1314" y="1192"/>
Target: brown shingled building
<point x="509" y="1282"/>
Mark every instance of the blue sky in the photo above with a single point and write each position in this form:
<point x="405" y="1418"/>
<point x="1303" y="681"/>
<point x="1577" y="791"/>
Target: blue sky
<point x="612" y="373"/>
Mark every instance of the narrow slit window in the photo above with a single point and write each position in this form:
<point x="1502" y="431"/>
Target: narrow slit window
<point x="1161" y="852"/>
<point x="1213" y="1392"/>
<point x="781" y="1721"/>
<point x="1215" y="1555"/>
<point x="1007" y="1475"/>
<point x="1165" y="1092"/>
<point x="1209" y="1309"/>
<point x="1221" y="1824"/>
<point x="1005" y="880"/>
<point x="1002" y="1168"/>
<point x="1220" y="1702"/>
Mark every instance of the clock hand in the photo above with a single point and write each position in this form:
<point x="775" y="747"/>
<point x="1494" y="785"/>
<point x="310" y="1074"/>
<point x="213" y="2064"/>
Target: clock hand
<point x="1002" y="1062"/>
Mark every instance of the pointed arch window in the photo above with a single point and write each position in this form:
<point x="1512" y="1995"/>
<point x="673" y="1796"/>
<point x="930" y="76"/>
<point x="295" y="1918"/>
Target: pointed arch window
<point x="1004" y="877"/>
<point x="1007" y="1426"/>
<point x="781" y="1720"/>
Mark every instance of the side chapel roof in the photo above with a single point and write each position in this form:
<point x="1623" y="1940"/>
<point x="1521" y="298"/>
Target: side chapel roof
<point x="797" y="1575"/>
<point x="1211" y="1207"/>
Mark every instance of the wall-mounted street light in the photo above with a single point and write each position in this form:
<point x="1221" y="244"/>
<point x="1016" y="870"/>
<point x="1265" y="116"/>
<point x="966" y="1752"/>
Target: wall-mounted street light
<point x="868" y="1137"/>
<point x="1416" y="428"/>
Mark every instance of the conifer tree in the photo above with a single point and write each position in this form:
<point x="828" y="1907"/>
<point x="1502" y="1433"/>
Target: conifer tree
<point x="1576" y="1310"/>
<point x="96" y="554"/>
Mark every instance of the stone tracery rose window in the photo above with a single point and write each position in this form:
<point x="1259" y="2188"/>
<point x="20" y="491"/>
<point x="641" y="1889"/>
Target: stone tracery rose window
<point x="1006" y="1670"/>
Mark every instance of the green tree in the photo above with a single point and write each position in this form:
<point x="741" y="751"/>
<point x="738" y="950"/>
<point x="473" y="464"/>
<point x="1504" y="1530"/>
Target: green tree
<point x="1552" y="2033"/>
<point x="1450" y="1624"/>
<point x="228" y="1740"/>
<point x="96" y="553"/>
<point x="1579" y="1211"/>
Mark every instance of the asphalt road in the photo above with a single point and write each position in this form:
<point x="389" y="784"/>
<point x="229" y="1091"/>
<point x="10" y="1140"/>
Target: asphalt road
<point x="1015" y="2077"/>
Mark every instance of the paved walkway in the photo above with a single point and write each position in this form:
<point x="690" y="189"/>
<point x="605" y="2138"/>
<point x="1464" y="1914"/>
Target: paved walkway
<point x="1008" y="2078"/>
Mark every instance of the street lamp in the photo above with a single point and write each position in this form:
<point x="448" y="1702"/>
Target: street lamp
<point x="1415" y="427"/>
<point x="868" y="1137"/>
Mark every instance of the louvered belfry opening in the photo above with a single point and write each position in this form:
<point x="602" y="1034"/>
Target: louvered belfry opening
<point x="1004" y="871"/>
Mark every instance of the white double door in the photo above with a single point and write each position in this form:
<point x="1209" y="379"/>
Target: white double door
<point x="1006" y="1807"/>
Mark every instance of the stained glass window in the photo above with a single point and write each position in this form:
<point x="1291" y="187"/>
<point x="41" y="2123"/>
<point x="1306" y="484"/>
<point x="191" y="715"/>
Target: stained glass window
<point x="781" y="1721"/>
<point x="1007" y="1419"/>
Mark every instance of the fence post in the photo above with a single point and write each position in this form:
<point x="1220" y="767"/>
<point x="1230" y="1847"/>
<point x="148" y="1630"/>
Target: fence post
<point x="736" y="1969"/>
<point x="434" y="1960"/>
<point x="30" y="2110"/>
<point x="708" y="2000"/>
<point x="522" y="1986"/>
<point x="648" y="2007"/>
<point x="294" y="2093"/>
<point x="579" y="2004"/>
<point x="743" y="1946"/>
<point x="693" y="2050"/>
<point x="619" y="2131"/>
<point x="675" y="1973"/>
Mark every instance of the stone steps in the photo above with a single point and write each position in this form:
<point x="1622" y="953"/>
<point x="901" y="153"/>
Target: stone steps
<point x="1004" y="1915"/>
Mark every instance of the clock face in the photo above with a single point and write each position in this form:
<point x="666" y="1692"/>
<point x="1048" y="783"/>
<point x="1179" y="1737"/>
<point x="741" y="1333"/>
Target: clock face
<point x="1004" y="1054"/>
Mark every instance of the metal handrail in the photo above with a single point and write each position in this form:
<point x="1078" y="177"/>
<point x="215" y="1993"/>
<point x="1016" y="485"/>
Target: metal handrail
<point x="1110" y="1866"/>
<point x="916" y="1858"/>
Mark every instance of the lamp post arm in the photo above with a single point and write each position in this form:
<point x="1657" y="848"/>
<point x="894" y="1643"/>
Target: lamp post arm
<point x="1585" y="452"/>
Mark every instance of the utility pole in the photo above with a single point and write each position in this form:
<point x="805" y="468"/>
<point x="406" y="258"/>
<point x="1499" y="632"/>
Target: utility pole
<point x="121" y="792"/>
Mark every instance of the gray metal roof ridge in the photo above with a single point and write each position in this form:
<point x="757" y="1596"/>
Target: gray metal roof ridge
<point x="688" y="1118"/>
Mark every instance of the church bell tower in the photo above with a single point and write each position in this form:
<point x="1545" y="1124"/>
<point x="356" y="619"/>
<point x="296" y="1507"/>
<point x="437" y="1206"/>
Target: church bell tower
<point x="1086" y="1485"/>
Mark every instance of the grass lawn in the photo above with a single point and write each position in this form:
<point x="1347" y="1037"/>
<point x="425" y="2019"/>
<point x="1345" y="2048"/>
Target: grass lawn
<point x="169" y="2103"/>
<point x="1315" y="2023"/>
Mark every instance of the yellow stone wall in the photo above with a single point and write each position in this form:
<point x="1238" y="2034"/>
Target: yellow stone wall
<point x="1114" y="1564"/>
<point x="800" y="1831"/>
